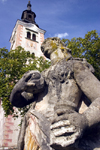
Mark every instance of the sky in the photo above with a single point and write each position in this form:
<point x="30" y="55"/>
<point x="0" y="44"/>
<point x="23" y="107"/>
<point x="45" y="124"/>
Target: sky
<point x="62" y="18"/>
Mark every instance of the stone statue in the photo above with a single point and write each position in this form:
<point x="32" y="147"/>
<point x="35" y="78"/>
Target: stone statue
<point x="54" y="122"/>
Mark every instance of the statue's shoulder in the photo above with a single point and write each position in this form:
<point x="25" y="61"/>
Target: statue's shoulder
<point x="82" y="62"/>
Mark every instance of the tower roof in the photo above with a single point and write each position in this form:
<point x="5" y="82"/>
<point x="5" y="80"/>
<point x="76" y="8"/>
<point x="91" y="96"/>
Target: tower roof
<point x="28" y="15"/>
<point x="29" y="6"/>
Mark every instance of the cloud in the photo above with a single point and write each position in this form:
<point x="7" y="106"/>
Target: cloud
<point x="61" y="35"/>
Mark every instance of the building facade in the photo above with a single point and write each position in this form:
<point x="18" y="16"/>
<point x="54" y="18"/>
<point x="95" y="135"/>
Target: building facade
<point x="28" y="35"/>
<point x="9" y="130"/>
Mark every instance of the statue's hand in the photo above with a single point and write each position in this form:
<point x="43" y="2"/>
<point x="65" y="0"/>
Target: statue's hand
<point x="67" y="126"/>
<point x="31" y="82"/>
<point x="24" y="92"/>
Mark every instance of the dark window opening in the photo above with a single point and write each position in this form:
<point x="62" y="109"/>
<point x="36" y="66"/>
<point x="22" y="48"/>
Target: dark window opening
<point x="33" y="54"/>
<point x="28" y="35"/>
<point x="34" y="37"/>
<point x="29" y="17"/>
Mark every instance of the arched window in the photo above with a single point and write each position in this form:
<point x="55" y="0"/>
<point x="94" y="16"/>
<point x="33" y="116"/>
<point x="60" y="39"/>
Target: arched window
<point x="33" y="54"/>
<point x="34" y="37"/>
<point x="28" y="35"/>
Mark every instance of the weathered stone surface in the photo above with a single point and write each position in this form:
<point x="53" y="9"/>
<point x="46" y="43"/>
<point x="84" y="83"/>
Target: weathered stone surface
<point x="55" y="121"/>
<point x="31" y="82"/>
<point x="30" y="141"/>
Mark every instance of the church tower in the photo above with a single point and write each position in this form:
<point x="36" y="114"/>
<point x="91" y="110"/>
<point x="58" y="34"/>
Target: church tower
<point x="27" y="33"/>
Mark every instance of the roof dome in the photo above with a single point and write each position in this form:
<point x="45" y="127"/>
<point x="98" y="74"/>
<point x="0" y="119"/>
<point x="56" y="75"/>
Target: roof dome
<point x="28" y="15"/>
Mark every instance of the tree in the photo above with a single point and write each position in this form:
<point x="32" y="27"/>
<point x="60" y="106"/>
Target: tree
<point x="87" y="47"/>
<point x="13" y="65"/>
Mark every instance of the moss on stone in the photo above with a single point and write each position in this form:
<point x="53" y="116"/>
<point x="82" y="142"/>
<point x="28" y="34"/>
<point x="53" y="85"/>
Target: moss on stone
<point x="56" y="53"/>
<point x="62" y="48"/>
<point x="54" y="45"/>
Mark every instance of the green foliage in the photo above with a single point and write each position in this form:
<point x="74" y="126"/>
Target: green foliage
<point x="13" y="65"/>
<point x="87" y="47"/>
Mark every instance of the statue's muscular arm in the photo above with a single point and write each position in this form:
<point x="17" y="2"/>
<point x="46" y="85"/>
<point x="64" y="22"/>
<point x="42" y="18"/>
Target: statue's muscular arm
<point x="90" y="86"/>
<point x="68" y="126"/>
<point x="26" y="89"/>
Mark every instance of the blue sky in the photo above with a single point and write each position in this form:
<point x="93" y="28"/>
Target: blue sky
<point x="63" y="18"/>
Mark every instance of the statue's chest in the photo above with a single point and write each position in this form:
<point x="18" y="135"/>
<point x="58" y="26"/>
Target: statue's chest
<point x="60" y="72"/>
<point x="61" y="86"/>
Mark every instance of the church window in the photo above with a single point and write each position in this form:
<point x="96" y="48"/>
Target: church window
<point x="34" y="37"/>
<point x="28" y="35"/>
<point x="33" y="54"/>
